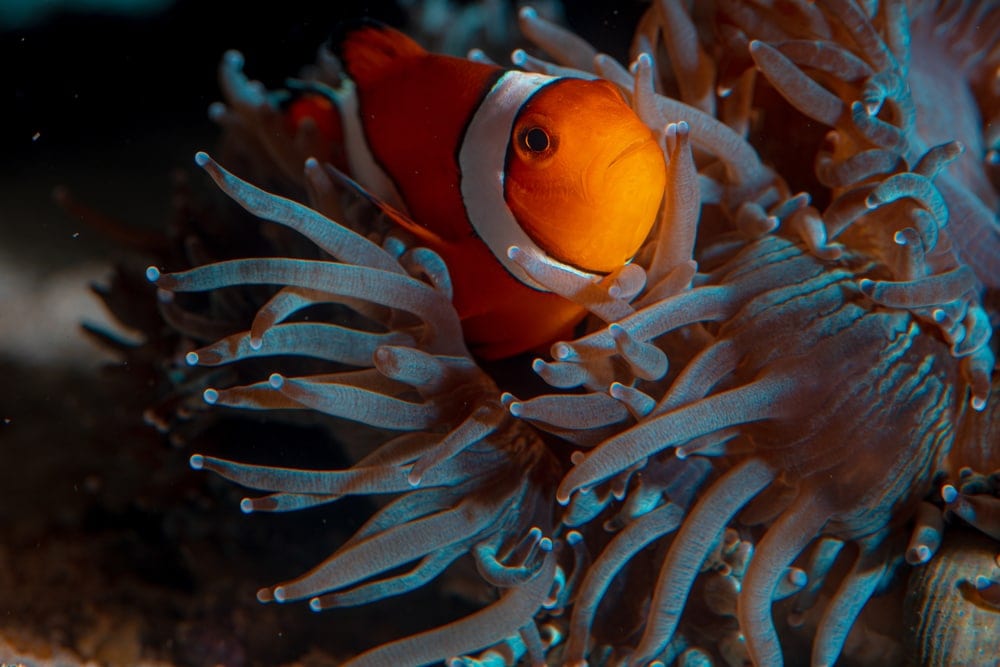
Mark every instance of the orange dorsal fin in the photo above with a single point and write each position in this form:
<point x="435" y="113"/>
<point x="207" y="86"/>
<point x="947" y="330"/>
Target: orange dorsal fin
<point x="369" y="49"/>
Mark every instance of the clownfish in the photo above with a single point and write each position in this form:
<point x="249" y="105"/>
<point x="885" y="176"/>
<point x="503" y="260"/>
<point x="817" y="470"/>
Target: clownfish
<point x="479" y="158"/>
<point x="323" y="113"/>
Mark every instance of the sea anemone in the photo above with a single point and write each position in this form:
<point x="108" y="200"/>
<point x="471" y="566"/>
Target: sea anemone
<point x="785" y="395"/>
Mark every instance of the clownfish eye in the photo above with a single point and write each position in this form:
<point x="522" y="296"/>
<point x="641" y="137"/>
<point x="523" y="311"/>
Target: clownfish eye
<point x="536" y="140"/>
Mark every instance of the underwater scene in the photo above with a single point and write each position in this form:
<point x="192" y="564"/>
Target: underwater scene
<point x="485" y="333"/>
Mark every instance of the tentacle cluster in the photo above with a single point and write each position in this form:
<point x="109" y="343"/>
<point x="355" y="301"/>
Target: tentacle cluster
<point x="831" y="354"/>
<point x="766" y="403"/>
<point x="468" y="478"/>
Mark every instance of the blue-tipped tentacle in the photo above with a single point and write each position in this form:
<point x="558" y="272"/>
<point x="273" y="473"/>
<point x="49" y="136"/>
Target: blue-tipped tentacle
<point x="396" y="546"/>
<point x="426" y="569"/>
<point x="290" y="300"/>
<point x="442" y="334"/>
<point x="337" y="240"/>
<point x="927" y="533"/>
<point x="626" y="544"/>
<point x="484" y="628"/>
<point x="780" y="546"/>
<point x="358" y="480"/>
<point x="319" y="341"/>
<point x="698" y="535"/>
<point x="578" y="411"/>
<point x="736" y="406"/>
<point x="573" y="285"/>
<point x="857" y="586"/>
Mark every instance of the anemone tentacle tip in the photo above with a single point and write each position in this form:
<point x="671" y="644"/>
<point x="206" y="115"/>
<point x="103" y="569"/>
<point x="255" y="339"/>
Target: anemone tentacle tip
<point x="276" y="380"/>
<point x="949" y="493"/>
<point x="152" y="274"/>
<point x="256" y="342"/>
<point x="280" y="594"/>
<point x="217" y="111"/>
<point x="315" y="604"/>
<point x="311" y="163"/>
<point x="562" y="351"/>
<point x="201" y="158"/>
<point x="191" y="358"/>
<point x="197" y="461"/>
<point x="918" y="555"/>
<point x="528" y="13"/>
<point x="246" y="505"/>
<point x="210" y="396"/>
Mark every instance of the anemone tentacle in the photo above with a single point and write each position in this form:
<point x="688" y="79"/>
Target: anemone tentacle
<point x="855" y="589"/>
<point x="479" y="630"/>
<point x="651" y="526"/>
<point x="322" y="341"/>
<point x="385" y="288"/>
<point x="698" y="535"/>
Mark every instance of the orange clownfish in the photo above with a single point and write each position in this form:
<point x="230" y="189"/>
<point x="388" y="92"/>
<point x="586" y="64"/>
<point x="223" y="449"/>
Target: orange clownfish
<point x="481" y="159"/>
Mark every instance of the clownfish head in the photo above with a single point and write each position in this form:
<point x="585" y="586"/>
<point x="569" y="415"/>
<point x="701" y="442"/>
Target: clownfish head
<point x="584" y="176"/>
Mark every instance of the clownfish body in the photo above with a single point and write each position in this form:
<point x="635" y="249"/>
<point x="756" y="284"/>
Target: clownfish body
<point x="481" y="159"/>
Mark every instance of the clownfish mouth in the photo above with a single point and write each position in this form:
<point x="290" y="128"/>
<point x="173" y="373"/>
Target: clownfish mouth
<point x="633" y="147"/>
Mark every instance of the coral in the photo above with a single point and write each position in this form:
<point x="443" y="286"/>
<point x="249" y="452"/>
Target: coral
<point x="777" y="408"/>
